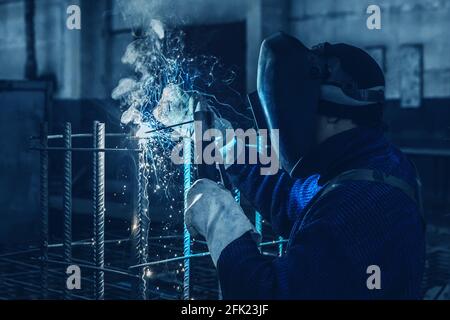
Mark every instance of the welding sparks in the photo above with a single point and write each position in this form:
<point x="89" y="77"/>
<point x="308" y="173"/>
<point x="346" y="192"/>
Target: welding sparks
<point x="161" y="94"/>
<point x="158" y="91"/>
<point x="148" y="273"/>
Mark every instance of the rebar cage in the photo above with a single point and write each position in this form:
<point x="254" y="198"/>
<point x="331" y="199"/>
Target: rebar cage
<point x="39" y="272"/>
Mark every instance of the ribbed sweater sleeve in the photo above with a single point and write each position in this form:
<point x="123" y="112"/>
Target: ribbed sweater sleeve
<point x="279" y="198"/>
<point x="352" y="227"/>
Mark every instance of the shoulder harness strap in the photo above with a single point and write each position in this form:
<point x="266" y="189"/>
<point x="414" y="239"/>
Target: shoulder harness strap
<point x="413" y="192"/>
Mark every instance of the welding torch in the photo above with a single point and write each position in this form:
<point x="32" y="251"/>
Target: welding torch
<point x="204" y="119"/>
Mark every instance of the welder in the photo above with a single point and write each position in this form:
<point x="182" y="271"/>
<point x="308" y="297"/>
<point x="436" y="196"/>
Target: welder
<point x="347" y="199"/>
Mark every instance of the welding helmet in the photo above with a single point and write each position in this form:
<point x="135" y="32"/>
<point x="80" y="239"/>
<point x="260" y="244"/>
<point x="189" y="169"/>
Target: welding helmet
<point x="292" y="81"/>
<point x="354" y="86"/>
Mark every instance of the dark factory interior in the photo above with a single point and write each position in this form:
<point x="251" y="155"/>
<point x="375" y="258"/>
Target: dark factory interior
<point x="81" y="186"/>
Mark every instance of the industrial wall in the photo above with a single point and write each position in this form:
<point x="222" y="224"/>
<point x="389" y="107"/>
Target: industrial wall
<point x="86" y="63"/>
<point x="412" y="22"/>
<point x="57" y="48"/>
<point x="412" y="47"/>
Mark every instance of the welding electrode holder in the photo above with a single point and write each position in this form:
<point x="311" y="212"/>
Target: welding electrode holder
<point x="205" y="116"/>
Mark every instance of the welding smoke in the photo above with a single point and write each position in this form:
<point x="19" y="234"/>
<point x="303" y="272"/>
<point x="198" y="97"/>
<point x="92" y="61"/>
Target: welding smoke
<point x="166" y="85"/>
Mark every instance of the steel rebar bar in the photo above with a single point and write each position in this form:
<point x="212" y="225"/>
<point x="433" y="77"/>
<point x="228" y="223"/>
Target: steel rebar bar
<point x="44" y="210"/>
<point x="142" y="224"/>
<point x="87" y="135"/>
<point x="280" y="246"/>
<point x="187" y="179"/>
<point x="258" y="217"/>
<point x="86" y="242"/>
<point x="123" y="135"/>
<point x="101" y="269"/>
<point x="197" y="255"/>
<point x="99" y="210"/>
<point x="67" y="201"/>
<point x="258" y="222"/>
<point x="98" y="150"/>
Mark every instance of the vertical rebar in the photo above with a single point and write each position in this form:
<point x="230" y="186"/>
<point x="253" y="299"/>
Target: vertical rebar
<point x="280" y="247"/>
<point x="44" y="209"/>
<point x="99" y="209"/>
<point x="142" y="223"/>
<point x="258" y="218"/>
<point x="237" y="195"/>
<point x="187" y="170"/>
<point x="67" y="200"/>
<point x="258" y="223"/>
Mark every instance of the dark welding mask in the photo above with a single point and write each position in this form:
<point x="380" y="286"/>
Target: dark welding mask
<point x="290" y="82"/>
<point x="288" y="89"/>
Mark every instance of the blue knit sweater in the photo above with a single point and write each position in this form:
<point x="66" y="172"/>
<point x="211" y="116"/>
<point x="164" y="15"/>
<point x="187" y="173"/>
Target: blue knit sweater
<point x="356" y="225"/>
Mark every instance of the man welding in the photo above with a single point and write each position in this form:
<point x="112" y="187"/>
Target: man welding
<point x="346" y="199"/>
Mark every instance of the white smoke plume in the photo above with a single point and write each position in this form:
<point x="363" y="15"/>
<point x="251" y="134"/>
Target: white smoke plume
<point x="164" y="88"/>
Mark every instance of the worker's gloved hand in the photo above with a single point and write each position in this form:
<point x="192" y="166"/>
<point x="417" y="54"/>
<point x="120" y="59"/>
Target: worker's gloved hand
<point x="213" y="213"/>
<point x="226" y="142"/>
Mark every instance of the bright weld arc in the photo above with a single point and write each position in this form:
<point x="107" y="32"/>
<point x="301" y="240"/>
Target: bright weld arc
<point x="162" y="68"/>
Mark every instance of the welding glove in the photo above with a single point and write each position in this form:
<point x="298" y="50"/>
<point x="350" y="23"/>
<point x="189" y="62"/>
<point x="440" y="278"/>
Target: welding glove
<point x="213" y="213"/>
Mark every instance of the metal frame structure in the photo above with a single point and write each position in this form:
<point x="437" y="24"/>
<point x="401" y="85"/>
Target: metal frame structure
<point x="98" y="150"/>
<point x="23" y="273"/>
<point x="97" y="266"/>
